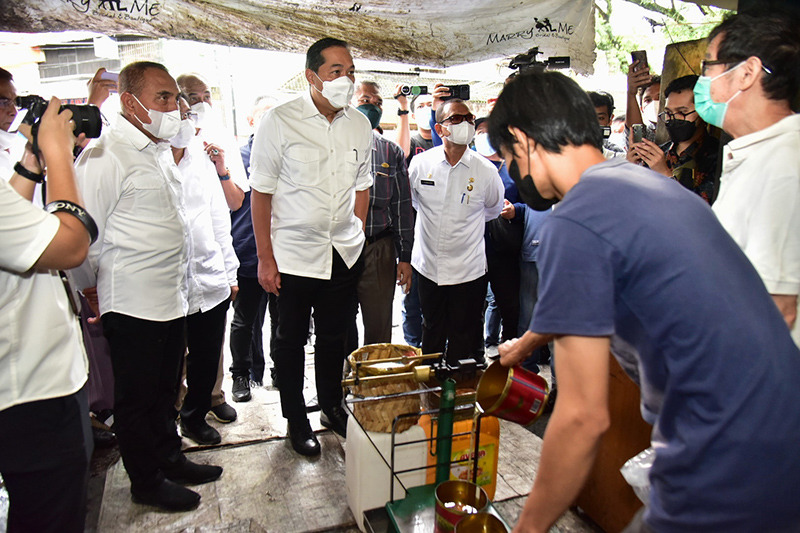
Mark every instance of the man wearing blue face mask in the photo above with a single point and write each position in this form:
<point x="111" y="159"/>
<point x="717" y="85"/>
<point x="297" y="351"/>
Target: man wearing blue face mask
<point x="750" y="76"/>
<point x="389" y="229"/>
<point x="139" y="265"/>
<point x="310" y="179"/>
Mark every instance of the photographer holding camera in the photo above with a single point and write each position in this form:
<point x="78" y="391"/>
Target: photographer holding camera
<point x="42" y="376"/>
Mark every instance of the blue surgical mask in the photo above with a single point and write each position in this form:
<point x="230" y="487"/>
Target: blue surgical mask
<point x="709" y="110"/>
<point x="423" y="117"/>
<point x="372" y="112"/>
<point x="483" y="146"/>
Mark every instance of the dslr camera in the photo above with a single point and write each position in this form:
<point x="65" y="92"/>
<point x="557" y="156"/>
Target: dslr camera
<point x="527" y="62"/>
<point x="87" y="117"/>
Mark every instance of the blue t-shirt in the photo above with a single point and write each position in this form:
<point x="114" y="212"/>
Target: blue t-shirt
<point x="244" y="241"/>
<point x="633" y="255"/>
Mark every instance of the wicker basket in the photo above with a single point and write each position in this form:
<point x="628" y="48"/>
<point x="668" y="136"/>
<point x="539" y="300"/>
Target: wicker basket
<point x="380" y="414"/>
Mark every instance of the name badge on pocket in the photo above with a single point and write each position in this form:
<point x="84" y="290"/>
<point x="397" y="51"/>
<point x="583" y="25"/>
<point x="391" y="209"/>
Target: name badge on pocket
<point x="427" y="182"/>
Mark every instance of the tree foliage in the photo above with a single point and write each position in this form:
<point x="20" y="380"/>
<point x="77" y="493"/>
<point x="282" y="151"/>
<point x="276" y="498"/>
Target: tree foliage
<point x="675" y="22"/>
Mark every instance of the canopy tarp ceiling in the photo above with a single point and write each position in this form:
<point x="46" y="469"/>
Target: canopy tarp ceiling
<point x="425" y="32"/>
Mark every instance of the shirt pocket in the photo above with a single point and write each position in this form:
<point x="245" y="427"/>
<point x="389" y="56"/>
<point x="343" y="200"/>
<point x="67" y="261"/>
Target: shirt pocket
<point x="303" y="165"/>
<point x="151" y="198"/>
<point x="346" y="174"/>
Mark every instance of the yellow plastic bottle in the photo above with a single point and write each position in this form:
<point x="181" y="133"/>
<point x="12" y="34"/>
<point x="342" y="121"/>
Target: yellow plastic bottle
<point x="463" y="447"/>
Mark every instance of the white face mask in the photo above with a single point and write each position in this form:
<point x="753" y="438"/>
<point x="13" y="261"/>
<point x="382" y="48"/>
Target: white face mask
<point x="650" y="112"/>
<point x="461" y="133"/>
<point x="483" y="146"/>
<point x="7" y="139"/>
<point x="204" y="113"/>
<point x="338" y="92"/>
<point x="184" y="135"/>
<point x="163" y="125"/>
<point x="423" y="117"/>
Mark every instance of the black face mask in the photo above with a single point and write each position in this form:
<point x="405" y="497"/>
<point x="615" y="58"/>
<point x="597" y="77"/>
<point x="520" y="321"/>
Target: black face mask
<point x="680" y="130"/>
<point x="528" y="191"/>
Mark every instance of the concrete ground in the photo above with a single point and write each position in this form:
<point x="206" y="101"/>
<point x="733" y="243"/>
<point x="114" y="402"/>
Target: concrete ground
<point x="266" y="486"/>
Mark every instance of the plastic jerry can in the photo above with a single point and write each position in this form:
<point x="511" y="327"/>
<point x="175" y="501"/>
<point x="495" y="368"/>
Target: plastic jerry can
<point x="463" y="447"/>
<point x="367" y="475"/>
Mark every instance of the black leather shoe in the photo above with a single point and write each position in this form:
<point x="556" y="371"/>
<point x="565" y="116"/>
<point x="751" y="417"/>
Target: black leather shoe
<point x="168" y="496"/>
<point x="201" y="432"/>
<point x="303" y="439"/>
<point x="189" y="473"/>
<point x="224" y="413"/>
<point x="241" y="389"/>
<point x="335" y="419"/>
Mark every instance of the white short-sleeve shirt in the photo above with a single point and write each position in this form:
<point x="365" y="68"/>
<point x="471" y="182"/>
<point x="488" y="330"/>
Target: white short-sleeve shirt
<point x="759" y="204"/>
<point x="453" y="204"/>
<point x="312" y="168"/>
<point x="41" y="351"/>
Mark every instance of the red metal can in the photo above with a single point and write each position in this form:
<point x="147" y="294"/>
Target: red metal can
<point x="514" y="393"/>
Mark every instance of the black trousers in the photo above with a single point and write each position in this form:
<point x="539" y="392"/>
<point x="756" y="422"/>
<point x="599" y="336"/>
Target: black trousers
<point x="452" y="318"/>
<point x="205" y="334"/>
<point x="504" y="276"/>
<point x="147" y="358"/>
<point x="334" y="304"/>
<point x="247" y="343"/>
<point x="44" y="460"/>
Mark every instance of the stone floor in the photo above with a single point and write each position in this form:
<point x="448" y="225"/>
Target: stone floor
<point x="268" y="487"/>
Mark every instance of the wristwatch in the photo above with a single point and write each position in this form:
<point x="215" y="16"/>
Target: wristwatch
<point x="401" y="112"/>
<point x="226" y="176"/>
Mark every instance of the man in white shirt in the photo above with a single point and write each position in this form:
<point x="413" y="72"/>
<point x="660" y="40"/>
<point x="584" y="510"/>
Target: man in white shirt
<point x="139" y="265"/>
<point x="310" y="175"/>
<point x="217" y="143"/>
<point x="211" y="275"/>
<point x="747" y="87"/>
<point x="8" y="111"/>
<point x="455" y="192"/>
<point x="46" y="441"/>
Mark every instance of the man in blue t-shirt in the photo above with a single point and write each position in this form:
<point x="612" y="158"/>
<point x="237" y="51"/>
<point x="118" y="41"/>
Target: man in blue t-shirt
<point x="624" y="269"/>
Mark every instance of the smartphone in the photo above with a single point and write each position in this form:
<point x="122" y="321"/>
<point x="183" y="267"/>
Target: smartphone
<point x="641" y="57"/>
<point x="638" y="133"/>
<point x="112" y="76"/>
<point x="457" y="91"/>
<point x="606" y="130"/>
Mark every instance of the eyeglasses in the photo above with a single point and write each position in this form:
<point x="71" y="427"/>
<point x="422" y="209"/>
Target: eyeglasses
<point x="6" y="103"/>
<point x="458" y="119"/>
<point x="189" y="114"/>
<point x="705" y="63"/>
<point x="668" y="115"/>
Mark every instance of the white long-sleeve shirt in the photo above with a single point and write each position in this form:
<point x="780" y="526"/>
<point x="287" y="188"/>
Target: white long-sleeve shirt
<point x="453" y="204"/>
<point x="139" y="261"/>
<point x="213" y="262"/>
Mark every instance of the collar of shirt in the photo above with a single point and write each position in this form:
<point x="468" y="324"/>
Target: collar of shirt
<point x="466" y="158"/>
<point x="738" y="149"/>
<point x="310" y="109"/>
<point x="124" y="129"/>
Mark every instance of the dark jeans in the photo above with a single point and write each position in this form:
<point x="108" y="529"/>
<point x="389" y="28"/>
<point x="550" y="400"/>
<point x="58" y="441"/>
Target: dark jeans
<point x="334" y="304"/>
<point x="528" y="296"/>
<point x="504" y="278"/>
<point x="453" y="318"/>
<point x="412" y="314"/>
<point x="247" y="339"/>
<point x="205" y="334"/>
<point x="44" y="460"/>
<point x="147" y="358"/>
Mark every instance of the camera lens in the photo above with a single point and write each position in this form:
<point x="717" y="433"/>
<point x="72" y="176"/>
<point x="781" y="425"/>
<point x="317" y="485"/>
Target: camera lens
<point x="405" y="90"/>
<point x="87" y="119"/>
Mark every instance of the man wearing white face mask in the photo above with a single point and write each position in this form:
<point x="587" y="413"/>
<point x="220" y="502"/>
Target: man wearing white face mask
<point x="139" y="265"/>
<point x="10" y="144"/>
<point x="310" y="176"/>
<point x="455" y="192"/>
<point x="211" y="274"/>
<point x="749" y="80"/>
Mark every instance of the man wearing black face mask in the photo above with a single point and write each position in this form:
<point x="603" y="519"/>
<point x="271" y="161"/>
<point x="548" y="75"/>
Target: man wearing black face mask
<point x="691" y="155"/>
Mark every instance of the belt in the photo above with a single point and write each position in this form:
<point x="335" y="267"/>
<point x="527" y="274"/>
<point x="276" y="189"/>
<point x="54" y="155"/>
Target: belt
<point x="382" y="235"/>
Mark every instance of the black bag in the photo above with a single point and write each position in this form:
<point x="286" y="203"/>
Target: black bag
<point x="506" y="235"/>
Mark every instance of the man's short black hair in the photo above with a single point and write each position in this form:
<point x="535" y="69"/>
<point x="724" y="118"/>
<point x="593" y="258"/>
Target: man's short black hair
<point x="655" y="80"/>
<point x="549" y="108"/>
<point x="683" y="83"/>
<point x="131" y="78"/>
<point x="5" y="75"/>
<point x="314" y="58"/>
<point x="773" y="38"/>
<point x="602" y="99"/>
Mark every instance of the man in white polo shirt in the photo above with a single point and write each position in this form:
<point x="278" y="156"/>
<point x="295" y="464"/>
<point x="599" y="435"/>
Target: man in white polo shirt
<point x="310" y="176"/>
<point x="455" y="192"/>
